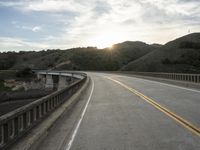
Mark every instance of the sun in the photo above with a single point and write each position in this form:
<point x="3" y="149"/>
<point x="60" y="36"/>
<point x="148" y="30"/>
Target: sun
<point x="107" y="39"/>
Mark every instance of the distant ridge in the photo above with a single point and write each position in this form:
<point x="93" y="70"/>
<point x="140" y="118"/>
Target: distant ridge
<point x="179" y="55"/>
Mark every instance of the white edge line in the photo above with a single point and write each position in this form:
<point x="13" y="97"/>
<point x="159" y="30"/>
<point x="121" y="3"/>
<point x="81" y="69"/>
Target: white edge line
<point x="80" y="120"/>
<point x="175" y="86"/>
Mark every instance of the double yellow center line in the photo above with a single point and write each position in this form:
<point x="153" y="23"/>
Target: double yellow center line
<point x="172" y="115"/>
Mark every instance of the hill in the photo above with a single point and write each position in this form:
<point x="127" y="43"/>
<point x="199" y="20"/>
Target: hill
<point x="180" y="55"/>
<point x="89" y="58"/>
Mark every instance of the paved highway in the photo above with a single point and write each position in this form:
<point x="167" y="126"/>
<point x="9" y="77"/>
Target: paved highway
<point x="128" y="113"/>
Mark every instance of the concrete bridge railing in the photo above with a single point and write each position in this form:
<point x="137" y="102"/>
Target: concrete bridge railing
<point x="194" y="78"/>
<point x="15" y="124"/>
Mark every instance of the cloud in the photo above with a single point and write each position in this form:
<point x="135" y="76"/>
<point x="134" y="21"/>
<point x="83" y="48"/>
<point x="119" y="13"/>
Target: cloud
<point x="189" y="1"/>
<point x="147" y="20"/>
<point x="11" y="3"/>
<point x="102" y="7"/>
<point x="30" y="28"/>
<point x="18" y="44"/>
<point x="36" y="29"/>
<point x="52" y="6"/>
<point x="44" y="5"/>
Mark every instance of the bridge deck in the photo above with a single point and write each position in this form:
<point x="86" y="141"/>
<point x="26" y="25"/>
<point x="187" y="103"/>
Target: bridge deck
<point x="118" y="119"/>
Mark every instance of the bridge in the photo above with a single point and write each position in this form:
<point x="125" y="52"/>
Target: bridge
<point x="108" y="111"/>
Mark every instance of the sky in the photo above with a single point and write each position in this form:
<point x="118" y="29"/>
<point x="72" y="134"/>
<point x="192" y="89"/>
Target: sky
<point x="50" y="24"/>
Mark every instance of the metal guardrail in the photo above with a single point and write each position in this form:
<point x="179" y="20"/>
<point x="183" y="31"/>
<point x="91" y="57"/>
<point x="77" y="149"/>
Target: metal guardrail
<point x="16" y="123"/>
<point x="194" y="78"/>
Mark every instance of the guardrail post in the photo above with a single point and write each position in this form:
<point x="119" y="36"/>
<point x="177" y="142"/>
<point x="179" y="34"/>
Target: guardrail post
<point x="16" y="126"/>
<point x="198" y="80"/>
<point x="46" y="106"/>
<point x="1" y="136"/>
<point x="193" y="78"/>
<point x="42" y="109"/>
<point x="24" y="120"/>
<point x="34" y="114"/>
<point x="37" y="112"/>
<point x="53" y="104"/>
<point x="11" y="129"/>
<point x="20" y="123"/>
<point x="182" y="77"/>
<point x="31" y="112"/>
<point x="50" y="104"/>
<point x="5" y="132"/>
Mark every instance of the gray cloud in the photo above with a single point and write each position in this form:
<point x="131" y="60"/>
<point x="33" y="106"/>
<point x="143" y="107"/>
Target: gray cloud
<point x="129" y="22"/>
<point x="188" y="1"/>
<point x="102" y="7"/>
<point x="170" y="13"/>
<point x="82" y="21"/>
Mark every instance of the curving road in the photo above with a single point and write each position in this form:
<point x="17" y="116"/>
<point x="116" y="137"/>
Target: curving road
<point x="128" y="113"/>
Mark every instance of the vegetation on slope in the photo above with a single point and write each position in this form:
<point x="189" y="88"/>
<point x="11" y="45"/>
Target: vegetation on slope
<point x="3" y="87"/>
<point x="89" y="58"/>
<point x="180" y="55"/>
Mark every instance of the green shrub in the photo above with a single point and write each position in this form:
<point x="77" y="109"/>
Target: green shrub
<point x="188" y="44"/>
<point x="3" y="88"/>
<point x="26" y="72"/>
<point x="166" y="61"/>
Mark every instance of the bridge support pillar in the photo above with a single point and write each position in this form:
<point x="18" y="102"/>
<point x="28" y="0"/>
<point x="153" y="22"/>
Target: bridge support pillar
<point x="62" y="82"/>
<point x="40" y="76"/>
<point x="49" y="81"/>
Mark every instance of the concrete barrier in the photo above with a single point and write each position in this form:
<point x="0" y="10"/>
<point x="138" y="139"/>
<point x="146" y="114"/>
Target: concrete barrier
<point x="16" y="123"/>
<point x="193" y="78"/>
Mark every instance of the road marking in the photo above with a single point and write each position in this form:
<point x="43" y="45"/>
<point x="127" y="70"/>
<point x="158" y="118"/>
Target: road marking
<point x="169" y="113"/>
<point x="175" y="86"/>
<point x="80" y="120"/>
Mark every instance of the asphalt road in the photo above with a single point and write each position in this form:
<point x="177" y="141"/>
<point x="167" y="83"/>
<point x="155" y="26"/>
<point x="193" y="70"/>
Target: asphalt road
<point x="127" y="113"/>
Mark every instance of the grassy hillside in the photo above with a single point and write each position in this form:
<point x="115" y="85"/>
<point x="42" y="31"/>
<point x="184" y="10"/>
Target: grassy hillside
<point x="89" y="58"/>
<point x="180" y="55"/>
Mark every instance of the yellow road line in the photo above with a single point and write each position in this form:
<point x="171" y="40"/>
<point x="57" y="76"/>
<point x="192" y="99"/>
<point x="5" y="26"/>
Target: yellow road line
<point x="169" y="113"/>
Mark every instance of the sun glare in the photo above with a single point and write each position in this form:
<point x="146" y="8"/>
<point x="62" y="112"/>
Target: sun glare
<point x="107" y="39"/>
